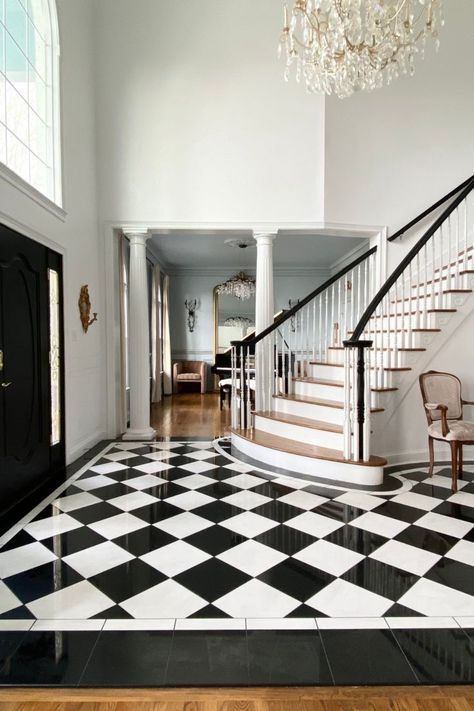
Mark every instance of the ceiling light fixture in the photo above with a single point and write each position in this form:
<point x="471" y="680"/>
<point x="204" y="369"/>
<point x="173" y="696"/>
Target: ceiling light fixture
<point x="341" y="46"/>
<point x="241" y="286"/>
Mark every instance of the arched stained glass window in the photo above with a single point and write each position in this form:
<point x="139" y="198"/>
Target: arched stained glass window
<point x="29" y="93"/>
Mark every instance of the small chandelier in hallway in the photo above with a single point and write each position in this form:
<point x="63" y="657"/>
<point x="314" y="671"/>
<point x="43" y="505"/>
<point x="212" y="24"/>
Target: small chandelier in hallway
<point x="340" y="46"/>
<point x="241" y="286"/>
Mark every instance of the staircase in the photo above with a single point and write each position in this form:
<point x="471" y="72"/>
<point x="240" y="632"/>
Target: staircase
<point x="329" y="367"/>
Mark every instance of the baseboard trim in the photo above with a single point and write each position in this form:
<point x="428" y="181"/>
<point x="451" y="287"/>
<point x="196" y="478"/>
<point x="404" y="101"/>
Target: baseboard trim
<point x="74" y="451"/>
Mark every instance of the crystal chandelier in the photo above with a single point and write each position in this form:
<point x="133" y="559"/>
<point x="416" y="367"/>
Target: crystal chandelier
<point x="241" y="286"/>
<point x="340" y="46"/>
<point x="239" y="321"/>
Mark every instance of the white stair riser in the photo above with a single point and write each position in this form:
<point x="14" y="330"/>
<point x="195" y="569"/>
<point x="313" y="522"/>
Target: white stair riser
<point x="327" y="392"/>
<point x="307" y="435"/>
<point x="326" y="372"/>
<point x="400" y="359"/>
<point x="447" y="301"/>
<point x="318" y="468"/>
<point x="429" y="320"/>
<point x="457" y="281"/>
<point x="305" y="409"/>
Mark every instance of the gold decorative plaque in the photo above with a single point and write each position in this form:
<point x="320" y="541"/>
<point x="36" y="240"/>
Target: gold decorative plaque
<point x="85" y="308"/>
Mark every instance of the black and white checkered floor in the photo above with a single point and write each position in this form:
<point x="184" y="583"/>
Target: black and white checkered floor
<point x="170" y="563"/>
<point x="169" y="532"/>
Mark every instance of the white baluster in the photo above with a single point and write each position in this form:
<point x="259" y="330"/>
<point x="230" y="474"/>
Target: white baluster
<point x="441" y="269"/>
<point x="355" y="420"/>
<point x="425" y="288"/>
<point x="458" y="257"/>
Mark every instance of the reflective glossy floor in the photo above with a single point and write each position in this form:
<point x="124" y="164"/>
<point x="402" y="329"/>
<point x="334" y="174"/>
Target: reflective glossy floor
<point x="169" y="563"/>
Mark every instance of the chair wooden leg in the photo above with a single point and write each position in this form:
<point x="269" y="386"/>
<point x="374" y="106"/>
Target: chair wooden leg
<point x="454" y="466"/>
<point x="460" y="460"/>
<point x="431" y="451"/>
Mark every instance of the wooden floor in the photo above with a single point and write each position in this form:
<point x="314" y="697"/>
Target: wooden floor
<point x="190" y="414"/>
<point x="447" y="698"/>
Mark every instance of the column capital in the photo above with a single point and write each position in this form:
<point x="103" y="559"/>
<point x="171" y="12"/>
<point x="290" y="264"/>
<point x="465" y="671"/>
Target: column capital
<point x="264" y="238"/>
<point x="137" y="236"/>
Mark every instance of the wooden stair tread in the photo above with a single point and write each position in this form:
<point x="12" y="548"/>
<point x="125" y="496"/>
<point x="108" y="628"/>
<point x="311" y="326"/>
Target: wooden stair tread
<point x="341" y="348"/>
<point x="414" y="313"/>
<point x="321" y="381"/>
<point x="300" y="421"/>
<point x="404" y="330"/>
<point x="320" y="401"/>
<point x="282" y="444"/>
<point x="320" y="362"/>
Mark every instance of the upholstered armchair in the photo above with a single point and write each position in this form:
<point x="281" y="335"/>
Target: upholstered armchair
<point x="189" y="371"/>
<point x="442" y="399"/>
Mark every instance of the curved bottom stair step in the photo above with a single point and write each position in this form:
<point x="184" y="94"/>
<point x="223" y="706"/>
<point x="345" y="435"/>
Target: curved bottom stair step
<point x="282" y="444"/>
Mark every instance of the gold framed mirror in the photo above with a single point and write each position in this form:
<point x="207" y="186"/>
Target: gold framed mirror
<point x="234" y="319"/>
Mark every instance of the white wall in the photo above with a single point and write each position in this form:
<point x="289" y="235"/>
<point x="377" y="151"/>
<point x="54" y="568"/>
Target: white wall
<point x="393" y="152"/>
<point x="77" y="236"/>
<point x="195" y="120"/>
<point x="405" y="438"/>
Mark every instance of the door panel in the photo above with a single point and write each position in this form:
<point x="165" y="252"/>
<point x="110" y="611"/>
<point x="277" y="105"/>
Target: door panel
<point x="25" y="419"/>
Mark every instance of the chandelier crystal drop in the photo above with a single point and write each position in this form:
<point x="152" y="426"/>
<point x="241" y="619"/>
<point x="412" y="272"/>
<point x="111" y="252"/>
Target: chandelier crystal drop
<point x="341" y="46"/>
<point x="241" y="286"/>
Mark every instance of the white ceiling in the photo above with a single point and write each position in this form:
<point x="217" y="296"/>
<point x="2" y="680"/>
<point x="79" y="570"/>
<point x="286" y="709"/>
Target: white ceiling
<point x="192" y="249"/>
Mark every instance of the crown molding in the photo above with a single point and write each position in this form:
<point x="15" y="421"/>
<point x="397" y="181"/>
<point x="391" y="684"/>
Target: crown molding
<point x="227" y="271"/>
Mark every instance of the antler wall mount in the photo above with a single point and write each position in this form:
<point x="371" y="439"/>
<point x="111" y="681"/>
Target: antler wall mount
<point x="85" y="308"/>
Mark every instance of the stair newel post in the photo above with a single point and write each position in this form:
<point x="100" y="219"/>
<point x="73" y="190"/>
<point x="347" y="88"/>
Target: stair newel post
<point x="355" y="412"/>
<point x="347" y="404"/>
<point x="241" y="371"/>
<point x="326" y="327"/>
<point x="320" y="329"/>
<point x="248" y="398"/>
<point x="270" y="382"/>
<point x="314" y="330"/>
<point x="367" y="405"/>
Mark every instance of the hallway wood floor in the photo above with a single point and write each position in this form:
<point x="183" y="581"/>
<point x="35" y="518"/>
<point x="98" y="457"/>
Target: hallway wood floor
<point x="190" y="415"/>
<point x="444" y="698"/>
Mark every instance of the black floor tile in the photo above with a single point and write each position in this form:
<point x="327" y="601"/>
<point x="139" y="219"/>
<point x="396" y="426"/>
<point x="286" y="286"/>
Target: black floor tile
<point x="380" y="578"/>
<point x="338" y="511"/>
<point x="49" y="658"/>
<point x="217" y="511"/>
<point x="208" y="659"/>
<point x="19" y="539"/>
<point x="42" y="580"/>
<point x="287" y="657"/>
<point x="453" y="574"/>
<point x="402" y="513"/>
<point x="285" y="539"/>
<point x="19" y="613"/>
<point x="209" y="612"/>
<point x="9" y="642"/>
<point x="73" y="541"/>
<point x="128" y="659"/>
<point x="366" y="657"/>
<point x="144" y="540"/>
<point x="96" y="512"/>
<point x="215" y="542"/>
<point x="438" y="656"/>
<point x="297" y="579"/>
<point x="277" y="511"/>
<point x="462" y="513"/>
<point x="356" y="539"/>
<point x="426" y="540"/>
<point x="212" y="579"/>
<point x="111" y="491"/>
<point x="126" y="580"/>
<point x="438" y="492"/>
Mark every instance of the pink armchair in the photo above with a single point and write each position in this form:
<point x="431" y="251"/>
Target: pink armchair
<point x="189" y="371"/>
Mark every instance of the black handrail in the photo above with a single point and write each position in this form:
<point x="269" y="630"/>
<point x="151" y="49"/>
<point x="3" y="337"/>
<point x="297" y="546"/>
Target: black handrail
<point x="286" y="316"/>
<point x="428" y="210"/>
<point x="370" y="310"/>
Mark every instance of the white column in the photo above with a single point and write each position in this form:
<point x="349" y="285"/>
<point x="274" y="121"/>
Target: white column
<point x="139" y="341"/>
<point x="264" y="314"/>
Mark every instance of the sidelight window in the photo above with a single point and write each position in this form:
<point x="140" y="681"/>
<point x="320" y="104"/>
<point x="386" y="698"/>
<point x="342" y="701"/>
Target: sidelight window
<point x="54" y="356"/>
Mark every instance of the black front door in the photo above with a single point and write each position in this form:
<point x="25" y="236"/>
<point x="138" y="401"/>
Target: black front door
<point x="28" y="455"/>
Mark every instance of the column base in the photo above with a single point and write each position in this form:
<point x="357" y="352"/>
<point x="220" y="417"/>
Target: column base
<point x="137" y="435"/>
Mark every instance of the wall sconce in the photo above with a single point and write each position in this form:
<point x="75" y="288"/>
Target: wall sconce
<point x="291" y="303"/>
<point x="191" y="306"/>
<point x="85" y="307"/>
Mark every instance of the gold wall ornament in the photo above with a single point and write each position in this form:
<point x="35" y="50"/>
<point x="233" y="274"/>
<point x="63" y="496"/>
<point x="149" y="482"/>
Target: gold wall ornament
<point x="85" y="308"/>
